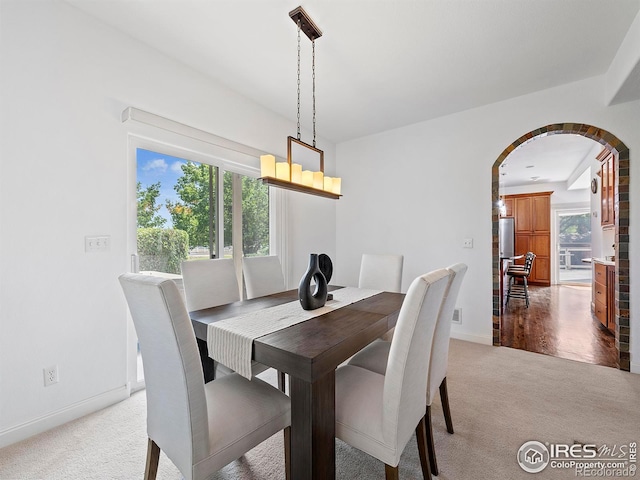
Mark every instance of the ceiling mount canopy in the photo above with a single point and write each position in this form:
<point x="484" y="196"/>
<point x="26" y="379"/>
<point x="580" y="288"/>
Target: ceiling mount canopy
<point x="309" y="28"/>
<point x="304" y="169"/>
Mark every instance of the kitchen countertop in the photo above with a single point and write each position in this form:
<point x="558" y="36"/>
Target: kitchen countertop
<point x="604" y="262"/>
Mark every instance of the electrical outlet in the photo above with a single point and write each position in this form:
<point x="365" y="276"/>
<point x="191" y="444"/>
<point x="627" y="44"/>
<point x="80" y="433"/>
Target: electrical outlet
<point x="50" y="375"/>
<point x="457" y="316"/>
<point x="467" y="243"/>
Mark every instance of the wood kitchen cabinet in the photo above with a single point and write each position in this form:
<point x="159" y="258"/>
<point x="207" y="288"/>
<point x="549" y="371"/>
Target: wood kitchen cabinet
<point x="607" y="188"/>
<point x="541" y="213"/>
<point x="532" y="214"/>
<point x="508" y="207"/>
<point x="522" y="215"/>
<point x="541" y="246"/>
<point x="604" y="278"/>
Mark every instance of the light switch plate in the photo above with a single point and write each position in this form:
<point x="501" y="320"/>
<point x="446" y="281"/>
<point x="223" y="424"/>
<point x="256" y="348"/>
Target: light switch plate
<point x="100" y="243"/>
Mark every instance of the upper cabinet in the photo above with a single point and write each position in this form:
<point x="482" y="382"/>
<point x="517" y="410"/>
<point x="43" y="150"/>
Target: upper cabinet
<point x="541" y="213"/>
<point x="522" y="214"/>
<point x="607" y="189"/>
<point x="532" y="212"/>
<point x="508" y="207"/>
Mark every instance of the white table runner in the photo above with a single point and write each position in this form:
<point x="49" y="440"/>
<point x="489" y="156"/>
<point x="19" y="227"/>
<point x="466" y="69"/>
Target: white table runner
<point x="230" y="341"/>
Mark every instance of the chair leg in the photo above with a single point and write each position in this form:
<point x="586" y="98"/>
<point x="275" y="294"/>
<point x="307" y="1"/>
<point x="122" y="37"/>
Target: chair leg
<point x="281" y="381"/>
<point x="526" y="291"/>
<point x="153" y="456"/>
<point x="506" y="304"/>
<point x="391" y="473"/>
<point x="431" y="449"/>
<point x="287" y="453"/>
<point x="421" y="438"/>
<point x="444" y="399"/>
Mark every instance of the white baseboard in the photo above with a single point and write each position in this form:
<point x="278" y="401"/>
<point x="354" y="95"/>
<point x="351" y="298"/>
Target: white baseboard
<point x="46" y="422"/>
<point x="635" y="367"/>
<point x="483" y="339"/>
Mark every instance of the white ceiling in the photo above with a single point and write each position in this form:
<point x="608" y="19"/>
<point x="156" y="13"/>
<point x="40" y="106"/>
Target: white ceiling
<point x="381" y="64"/>
<point x="549" y="159"/>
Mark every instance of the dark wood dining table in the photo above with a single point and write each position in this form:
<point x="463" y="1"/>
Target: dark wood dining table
<point x="309" y="352"/>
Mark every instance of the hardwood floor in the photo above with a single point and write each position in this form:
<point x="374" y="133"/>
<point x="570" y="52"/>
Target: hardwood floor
<point x="559" y="323"/>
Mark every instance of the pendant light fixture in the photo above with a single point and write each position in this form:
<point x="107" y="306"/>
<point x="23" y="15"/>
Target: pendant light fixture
<point x="304" y="169"/>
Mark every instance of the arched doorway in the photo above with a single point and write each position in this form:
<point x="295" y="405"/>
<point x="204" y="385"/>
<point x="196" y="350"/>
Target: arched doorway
<point x="622" y="299"/>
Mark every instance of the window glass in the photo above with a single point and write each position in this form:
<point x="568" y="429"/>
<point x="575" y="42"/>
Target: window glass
<point x="574" y="247"/>
<point x="255" y="217"/>
<point x="177" y="214"/>
<point x="228" y="214"/>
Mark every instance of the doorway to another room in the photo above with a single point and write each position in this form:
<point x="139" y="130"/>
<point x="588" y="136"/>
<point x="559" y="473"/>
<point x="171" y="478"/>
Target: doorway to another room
<point x="561" y="320"/>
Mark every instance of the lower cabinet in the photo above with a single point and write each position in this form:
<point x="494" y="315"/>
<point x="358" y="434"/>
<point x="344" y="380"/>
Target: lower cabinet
<point x="604" y="295"/>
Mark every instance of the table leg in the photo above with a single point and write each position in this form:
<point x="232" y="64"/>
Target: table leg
<point x="504" y="265"/>
<point x="208" y="365"/>
<point x="313" y="428"/>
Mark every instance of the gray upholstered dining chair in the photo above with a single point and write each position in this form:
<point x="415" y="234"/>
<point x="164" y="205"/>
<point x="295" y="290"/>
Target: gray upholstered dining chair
<point x="378" y="413"/>
<point x="201" y="428"/>
<point x="210" y="283"/>
<point x="381" y="272"/>
<point x="262" y="276"/>
<point x="374" y="357"/>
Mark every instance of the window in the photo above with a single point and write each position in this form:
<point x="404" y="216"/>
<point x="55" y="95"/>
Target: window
<point x="179" y="202"/>
<point x="178" y="212"/>
<point x="255" y="217"/>
<point x="574" y="247"/>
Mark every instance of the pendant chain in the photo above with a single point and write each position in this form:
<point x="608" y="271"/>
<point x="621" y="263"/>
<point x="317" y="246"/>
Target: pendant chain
<point x="299" y="79"/>
<point x="313" y="69"/>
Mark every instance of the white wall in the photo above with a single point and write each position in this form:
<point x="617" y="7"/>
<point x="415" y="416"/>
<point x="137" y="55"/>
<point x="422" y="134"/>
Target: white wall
<point x="66" y="79"/>
<point x="420" y="190"/>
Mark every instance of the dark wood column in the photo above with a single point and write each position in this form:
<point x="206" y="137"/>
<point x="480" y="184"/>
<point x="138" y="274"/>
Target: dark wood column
<point x="313" y="428"/>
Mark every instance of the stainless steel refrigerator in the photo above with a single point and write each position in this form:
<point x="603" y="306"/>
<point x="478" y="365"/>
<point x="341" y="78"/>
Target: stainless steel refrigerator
<point x="506" y="237"/>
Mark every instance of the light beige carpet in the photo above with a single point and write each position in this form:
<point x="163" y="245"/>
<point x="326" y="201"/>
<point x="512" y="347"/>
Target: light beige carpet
<point x="499" y="398"/>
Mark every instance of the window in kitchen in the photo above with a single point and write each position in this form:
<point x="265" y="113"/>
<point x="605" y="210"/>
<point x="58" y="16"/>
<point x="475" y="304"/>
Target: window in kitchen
<point x="574" y="247"/>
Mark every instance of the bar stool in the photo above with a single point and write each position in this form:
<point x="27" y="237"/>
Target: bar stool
<point x="514" y="272"/>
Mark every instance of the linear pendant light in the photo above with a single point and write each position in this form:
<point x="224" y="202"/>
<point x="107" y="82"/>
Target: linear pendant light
<point x="290" y="174"/>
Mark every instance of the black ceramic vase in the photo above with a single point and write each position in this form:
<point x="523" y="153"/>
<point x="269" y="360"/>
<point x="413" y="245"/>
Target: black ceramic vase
<point x="316" y="299"/>
<point x="326" y="266"/>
